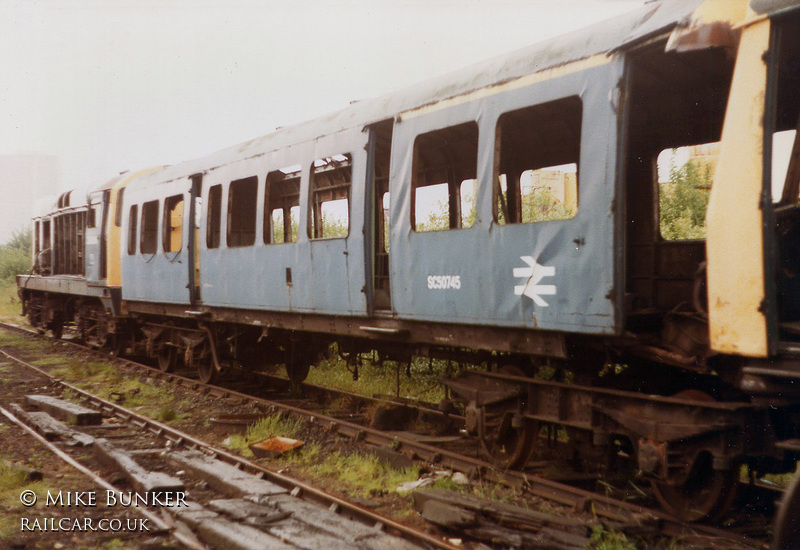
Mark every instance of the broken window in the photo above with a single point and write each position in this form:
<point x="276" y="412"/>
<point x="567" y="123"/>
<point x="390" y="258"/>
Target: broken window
<point x="173" y="224"/>
<point x="242" y="212"/>
<point x="684" y="182"/>
<point x="443" y="178"/>
<point x="214" y="217"/>
<point x="149" y="237"/>
<point x="282" y="205"/>
<point x="132" y="225"/>
<point x="538" y="152"/>
<point x="330" y="197"/>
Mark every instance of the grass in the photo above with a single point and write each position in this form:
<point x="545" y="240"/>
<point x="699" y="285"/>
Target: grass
<point x="269" y="426"/>
<point x="10" y="305"/>
<point x="13" y="480"/>
<point x="105" y="380"/>
<point x="23" y="343"/>
<point x="419" y="380"/>
<point x="353" y="473"/>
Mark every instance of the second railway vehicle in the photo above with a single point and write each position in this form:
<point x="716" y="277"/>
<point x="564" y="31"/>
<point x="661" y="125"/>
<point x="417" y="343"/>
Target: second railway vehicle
<point x="547" y="247"/>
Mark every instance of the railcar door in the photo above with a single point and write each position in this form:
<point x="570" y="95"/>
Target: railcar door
<point x="95" y="236"/>
<point x="195" y="204"/>
<point x="158" y="228"/>
<point x="377" y="217"/>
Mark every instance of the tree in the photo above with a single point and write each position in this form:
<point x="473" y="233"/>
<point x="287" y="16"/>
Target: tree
<point x="683" y="201"/>
<point x="15" y="256"/>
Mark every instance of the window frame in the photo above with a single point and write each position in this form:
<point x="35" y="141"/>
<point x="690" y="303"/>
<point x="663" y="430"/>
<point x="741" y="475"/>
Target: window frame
<point x="461" y="171"/>
<point x="147" y="233"/>
<point x="337" y="191"/>
<point x="508" y="204"/>
<point x="276" y="181"/>
<point x="242" y="212"/>
<point x="214" y="217"/>
<point x="166" y="223"/>
<point x="133" y="228"/>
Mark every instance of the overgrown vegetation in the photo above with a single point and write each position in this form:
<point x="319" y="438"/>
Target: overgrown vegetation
<point x="684" y="201"/>
<point x="107" y="381"/>
<point x="15" y="256"/>
<point x="13" y="480"/>
<point x="23" y="343"/>
<point x="269" y="426"/>
<point x="353" y="473"/>
<point x="10" y="306"/>
<point x="417" y="380"/>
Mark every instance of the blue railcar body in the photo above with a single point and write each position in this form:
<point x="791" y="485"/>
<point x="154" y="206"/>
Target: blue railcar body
<point x="485" y="255"/>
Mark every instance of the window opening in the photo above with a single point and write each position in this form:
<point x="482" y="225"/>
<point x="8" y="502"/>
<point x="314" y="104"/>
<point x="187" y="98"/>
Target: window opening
<point x="443" y="178"/>
<point x="242" y="212"/>
<point x="118" y="209"/>
<point x="282" y="205"/>
<point x="330" y="197"/>
<point x="684" y="184"/>
<point x="173" y="224"/>
<point x="538" y="152"/>
<point x="149" y="236"/>
<point x="784" y="146"/>
<point x="132" y="225"/>
<point x="91" y="218"/>
<point x="37" y="246"/>
<point x="214" y="216"/>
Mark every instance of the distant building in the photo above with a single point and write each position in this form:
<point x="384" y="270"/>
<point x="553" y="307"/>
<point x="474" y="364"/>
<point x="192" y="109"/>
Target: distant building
<point x="24" y="179"/>
<point x="563" y="185"/>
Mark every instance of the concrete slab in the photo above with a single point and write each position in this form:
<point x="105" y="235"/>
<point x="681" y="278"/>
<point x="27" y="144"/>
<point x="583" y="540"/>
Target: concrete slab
<point x="224" y="477"/>
<point x="51" y="428"/>
<point x="143" y="481"/>
<point x="218" y="532"/>
<point x="64" y="410"/>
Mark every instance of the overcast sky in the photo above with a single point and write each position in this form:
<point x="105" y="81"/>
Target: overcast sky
<point x="113" y="85"/>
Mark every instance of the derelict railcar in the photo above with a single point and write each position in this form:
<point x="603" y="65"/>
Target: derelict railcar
<point x="324" y="232"/>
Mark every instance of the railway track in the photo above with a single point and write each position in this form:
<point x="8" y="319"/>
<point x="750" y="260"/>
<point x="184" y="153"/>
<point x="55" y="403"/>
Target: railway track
<point x="616" y="511"/>
<point x="290" y="511"/>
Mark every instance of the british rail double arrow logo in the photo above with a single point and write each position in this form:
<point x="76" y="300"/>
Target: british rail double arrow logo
<point x="534" y="273"/>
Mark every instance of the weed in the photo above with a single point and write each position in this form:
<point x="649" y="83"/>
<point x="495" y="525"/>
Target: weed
<point x="603" y="539"/>
<point x="417" y="380"/>
<point x="12" y="480"/>
<point x="166" y="414"/>
<point x="363" y="475"/>
<point x="23" y="343"/>
<point x="269" y="426"/>
<point x="10" y="305"/>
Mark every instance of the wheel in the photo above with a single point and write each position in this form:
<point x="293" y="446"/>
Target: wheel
<point x="119" y="345"/>
<point x="507" y="445"/>
<point x="298" y="372"/>
<point x="57" y="328"/>
<point x="705" y="494"/>
<point x="786" y="527"/>
<point x="167" y="358"/>
<point x="202" y="358"/>
<point x="299" y="361"/>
